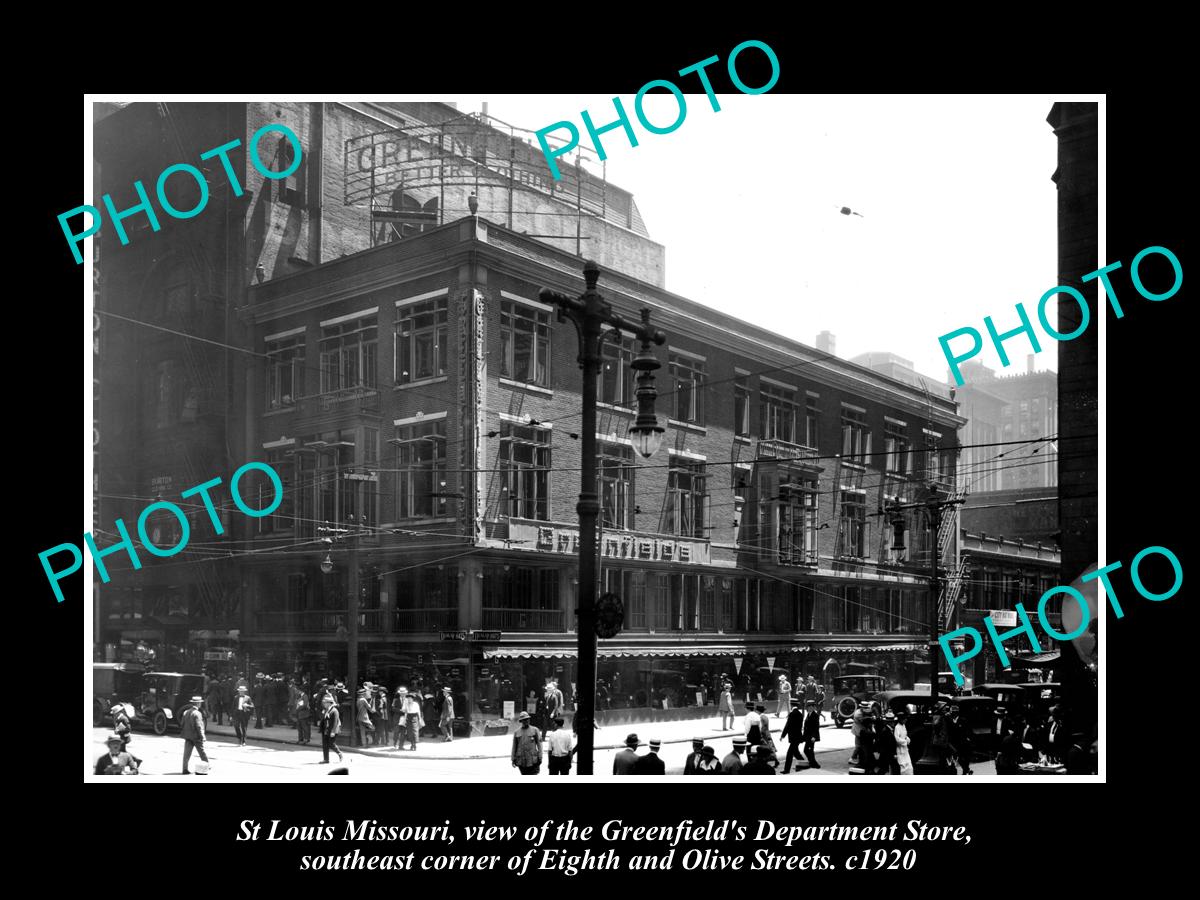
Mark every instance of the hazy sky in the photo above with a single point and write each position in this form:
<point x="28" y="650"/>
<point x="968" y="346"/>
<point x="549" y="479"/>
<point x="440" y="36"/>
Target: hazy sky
<point x="958" y="210"/>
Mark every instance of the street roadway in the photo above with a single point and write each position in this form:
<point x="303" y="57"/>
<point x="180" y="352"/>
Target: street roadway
<point x="263" y="761"/>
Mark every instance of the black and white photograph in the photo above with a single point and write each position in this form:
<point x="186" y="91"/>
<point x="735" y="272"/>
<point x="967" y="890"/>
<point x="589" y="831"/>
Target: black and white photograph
<point x="469" y="439"/>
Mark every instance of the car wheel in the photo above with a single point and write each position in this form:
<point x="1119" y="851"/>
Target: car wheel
<point x="846" y="707"/>
<point x="160" y="723"/>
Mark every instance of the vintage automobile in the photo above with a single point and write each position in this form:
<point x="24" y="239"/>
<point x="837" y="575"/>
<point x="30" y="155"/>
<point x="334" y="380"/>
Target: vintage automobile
<point x="1041" y="696"/>
<point x="1012" y="697"/>
<point x="979" y="713"/>
<point x="108" y="679"/>
<point x="919" y="706"/>
<point x="164" y="695"/>
<point x="849" y="691"/>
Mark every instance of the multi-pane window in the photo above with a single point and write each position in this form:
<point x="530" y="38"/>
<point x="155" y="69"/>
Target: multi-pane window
<point x="348" y="354"/>
<point x="729" y="598"/>
<point x="896" y="447"/>
<point x="777" y="413"/>
<point x="615" y="384"/>
<point x="708" y="602"/>
<point x="741" y="405"/>
<point x="283" y="461"/>
<point x="856" y="438"/>
<point x="421" y="469"/>
<point x="934" y="457"/>
<point x="285" y="371"/>
<point x="687" y="381"/>
<point x="797" y="537"/>
<point x="616" y="471"/>
<point x="812" y="415"/>
<point x="686" y="498"/>
<point x="854" y="523"/>
<point x="524" y="470"/>
<point x="422" y="348"/>
<point x="331" y="488"/>
<point x="524" y="343"/>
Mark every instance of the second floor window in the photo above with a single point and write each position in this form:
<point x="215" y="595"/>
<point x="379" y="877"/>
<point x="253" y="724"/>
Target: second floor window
<point x="285" y="371"/>
<point x="421" y="469"/>
<point x="856" y="438"/>
<point x="686" y="498"/>
<point x="777" y="414"/>
<point x="687" y="382"/>
<point x="524" y="343"/>
<point x="348" y="354"/>
<point x="421" y="340"/>
<point x="524" y="470"/>
<point x="616" y="485"/>
<point x="798" y="521"/>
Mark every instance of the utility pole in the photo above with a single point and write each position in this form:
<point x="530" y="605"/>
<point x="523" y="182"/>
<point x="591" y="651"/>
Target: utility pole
<point x="589" y="312"/>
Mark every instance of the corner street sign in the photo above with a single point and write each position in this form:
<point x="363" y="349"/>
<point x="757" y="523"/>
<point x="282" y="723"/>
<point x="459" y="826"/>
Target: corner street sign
<point x="489" y="637"/>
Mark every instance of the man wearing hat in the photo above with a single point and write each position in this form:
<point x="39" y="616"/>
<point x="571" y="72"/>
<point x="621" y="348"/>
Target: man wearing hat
<point x="761" y="764"/>
<point x="240" y="710"/>
<point x="398" y="717"/>
<point x="856" y="729"/>
<point x="1008" y="753"/>
<point x="811" y="732"/>
<point x="627" y="758"/>
<point x="527" y="747"/>
<point x="732" y="763"/>
<point x="362" y="716"/>
<point x="650" y="763"/>
<point x="191" y="727"/>
<point x="725" y="705"/>
<point x="331" y="724"/>
<point x="693" y="760"/>
<point x="117" y="761"/>
<point x="885" y="745"/>
<point x="446" y="719"/>
<point x="793" y="730"/>
<point x="783" y="703"/>
<point x="302" y="712"/>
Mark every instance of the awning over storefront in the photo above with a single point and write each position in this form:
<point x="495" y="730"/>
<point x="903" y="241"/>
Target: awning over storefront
<point x="1036" y="660"/>
<point x="689" y="651"/>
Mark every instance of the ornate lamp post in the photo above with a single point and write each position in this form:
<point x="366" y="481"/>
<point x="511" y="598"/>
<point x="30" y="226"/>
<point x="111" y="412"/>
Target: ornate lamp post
<point x="589" y="313"/>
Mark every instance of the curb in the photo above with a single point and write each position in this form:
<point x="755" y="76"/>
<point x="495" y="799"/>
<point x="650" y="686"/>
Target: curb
<point x="402" y="754"/>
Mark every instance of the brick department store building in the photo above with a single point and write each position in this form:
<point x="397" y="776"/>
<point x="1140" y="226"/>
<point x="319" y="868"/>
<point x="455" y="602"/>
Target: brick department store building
<point x="419" y="395"/>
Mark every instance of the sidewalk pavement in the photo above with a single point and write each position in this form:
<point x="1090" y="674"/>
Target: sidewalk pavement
<point x="610" y="737"/>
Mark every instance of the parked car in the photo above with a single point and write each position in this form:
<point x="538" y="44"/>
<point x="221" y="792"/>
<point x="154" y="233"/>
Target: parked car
<point x="164" y="695"/>
<point x="1012" y="697"/>
<point x="979" y="713"/>
<point x="849" y="691"/>
<point x="122" y="679"/>
<point x="919" y="706"/>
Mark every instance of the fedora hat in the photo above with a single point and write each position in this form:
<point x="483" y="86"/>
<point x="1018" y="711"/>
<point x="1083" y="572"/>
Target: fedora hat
<point x="114" y="738"/>
<point x="632" y="741"/>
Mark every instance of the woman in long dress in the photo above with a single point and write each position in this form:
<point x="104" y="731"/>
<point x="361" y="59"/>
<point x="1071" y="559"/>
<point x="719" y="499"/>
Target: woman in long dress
<point x="902" y="741"/>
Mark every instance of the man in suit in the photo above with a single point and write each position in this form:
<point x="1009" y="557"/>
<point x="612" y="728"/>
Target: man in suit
<point x="117" y="761"/>
<point x="793" y="730"/>
<point x="240" y="710"/>
<point x="760" y="765"/>
<point x="331" y="724"/>
<point x="626" y="759"/>
<point x="650" y="763"/>
<point x="362" y="717"/>
<point x="690" y="767"/>
<point x="732" y="763"/>
<point x="811" y="732"/>
<point x="1058" y="735"/>
<point x="446" y="720"/>
<point x="259" y="696"/>
<point x="725" y="706"/>
<point x="191" y="727"/>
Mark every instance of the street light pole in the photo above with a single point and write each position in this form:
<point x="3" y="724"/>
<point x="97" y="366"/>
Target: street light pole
<point x="589" y="312"/>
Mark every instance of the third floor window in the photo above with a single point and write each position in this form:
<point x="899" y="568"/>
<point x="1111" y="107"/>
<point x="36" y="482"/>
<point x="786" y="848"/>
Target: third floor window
<point x="421" y="340"/>
<point x="348" y="354"/>
<point x="524" y="343"/>
<point x="687" y="384"/>
<point x="778" y="413"/>
<point x="285" y="371"/>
